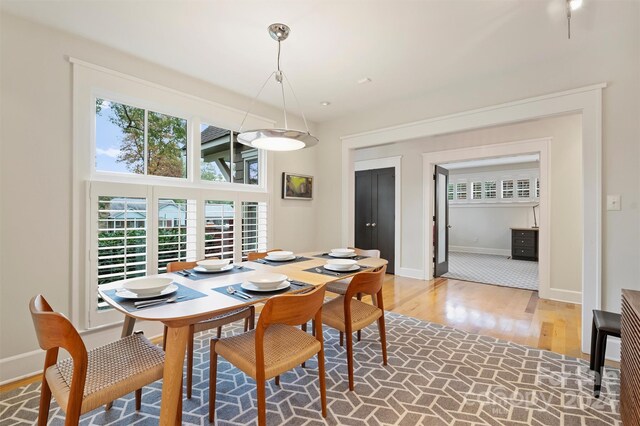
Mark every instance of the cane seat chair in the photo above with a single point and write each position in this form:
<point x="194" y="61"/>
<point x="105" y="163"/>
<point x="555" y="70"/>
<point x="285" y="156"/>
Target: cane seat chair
<point x="246" y="313"/>
<point x="340" y="286"/>
<point x="92" y="378"/>
<point x="348" y="314"/>
<point x="275" y="346"/>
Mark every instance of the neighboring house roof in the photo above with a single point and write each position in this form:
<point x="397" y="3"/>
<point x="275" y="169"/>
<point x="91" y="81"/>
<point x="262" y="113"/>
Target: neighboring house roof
<point x="212" y="133"/>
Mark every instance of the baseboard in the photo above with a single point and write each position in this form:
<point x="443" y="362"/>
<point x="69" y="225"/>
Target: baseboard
<point x="30" y="363"/>
<point x="481" y="250"/>
<point x="410" y="273"/>
<point x="560" y="295"/>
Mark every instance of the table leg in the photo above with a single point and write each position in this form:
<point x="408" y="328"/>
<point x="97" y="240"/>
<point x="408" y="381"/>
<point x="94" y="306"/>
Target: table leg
<point x="127" y="327"/>
<point x="172" y="377"/>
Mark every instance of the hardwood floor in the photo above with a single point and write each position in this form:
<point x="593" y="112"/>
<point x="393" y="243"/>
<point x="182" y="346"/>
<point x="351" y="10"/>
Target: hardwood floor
<point x="506" y="313"/>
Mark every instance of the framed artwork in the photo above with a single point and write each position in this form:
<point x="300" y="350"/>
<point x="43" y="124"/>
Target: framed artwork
<point x="297" y="187"/>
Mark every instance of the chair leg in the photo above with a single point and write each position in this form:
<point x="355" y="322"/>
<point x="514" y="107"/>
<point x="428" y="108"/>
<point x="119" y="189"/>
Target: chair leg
<point x="252" y="318"/>
<point x="45" y="403"/>
<point x="278" y="380"/>
<point x="349" y="336"/>
<point x="164" y="338"/>
<point x="303" y="327"/>
<point x="213" y="372"/>
<point x="262" y="402"/>
<point x="138" y="399"/>
<point x="592" y="357"/>
<point x="190" y="360"/>
<point x="383" y="338"/>
<point x="219" y="332"/>
<point x="359" y="332"/>
<point x="313" y="327"/>
<point x="601" y="347"/>
<point x="323" y="385"/>
<point x="108" y="406"/>
<point x="246" y="324"/>
<point x="341" y="338"/>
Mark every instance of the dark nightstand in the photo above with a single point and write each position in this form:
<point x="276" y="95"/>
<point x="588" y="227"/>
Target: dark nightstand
<point x="524" y="243"/>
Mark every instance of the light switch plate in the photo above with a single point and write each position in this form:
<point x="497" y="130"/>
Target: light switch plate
<point x="613" y="202"/>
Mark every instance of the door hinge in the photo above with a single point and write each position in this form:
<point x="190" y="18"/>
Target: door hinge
<point x="434" y="176"/>
<point x="434" y="218"/>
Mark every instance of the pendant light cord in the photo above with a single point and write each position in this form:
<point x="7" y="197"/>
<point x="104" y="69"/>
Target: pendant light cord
<point x="279" y="75"/>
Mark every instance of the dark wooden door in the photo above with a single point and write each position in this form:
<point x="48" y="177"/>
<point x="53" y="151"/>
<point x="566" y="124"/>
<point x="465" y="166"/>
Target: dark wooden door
<point x="375" y="212"/>
<point x="441" y="222"/>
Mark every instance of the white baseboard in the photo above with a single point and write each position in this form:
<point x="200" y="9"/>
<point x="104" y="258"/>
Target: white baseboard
<point x="30" y="363"/>
<point x="560" y="295"/>
<point x="410" y="273"/>
<point x="481" y="250"/>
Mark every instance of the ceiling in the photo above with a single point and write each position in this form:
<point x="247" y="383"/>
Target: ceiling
<point x="406" y="47"/>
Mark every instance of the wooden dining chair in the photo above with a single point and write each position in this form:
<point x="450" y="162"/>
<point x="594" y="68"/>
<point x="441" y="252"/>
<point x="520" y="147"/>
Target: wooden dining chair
<point x="92" y="378"/>
<point x="340" y="286"/>
<point x="347" y="314"/>
<point x="255" y="255"/>
<point x="247" y="313"/>
<point x="275" y="346"/>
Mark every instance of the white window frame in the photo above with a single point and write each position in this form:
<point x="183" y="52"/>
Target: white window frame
<point x="90" y="82"/>
<point x="532" y="175"/>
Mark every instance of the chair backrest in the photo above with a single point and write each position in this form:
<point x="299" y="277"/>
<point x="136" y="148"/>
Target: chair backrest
<point x="366" y="283"/>
<point x="55" y="331"/>
<point x="179" y="266"/>
<point x="255" y="255"/>
<point x="292" y="309"/>
<point x="369" y="253"/>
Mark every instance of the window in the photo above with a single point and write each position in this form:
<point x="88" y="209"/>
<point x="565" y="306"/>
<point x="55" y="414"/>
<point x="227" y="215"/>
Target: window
<point x="254" y="226"/>
<point x="215" y="154"/>
<point x="476" y="190"/>
<point x="138" y="141"/>
<point x="450" y="191"/>
<point x="507" y="189"/>
<point x="176" y="232"/>
<point x="461" y="191"/>
<point x="523" y="189"/>
<point x="537" y="188"/>
<point x="219" y="238"/>
<point x="122" y="239"/>
<point x="490" y="190"/>
<point x="246" y="164"/>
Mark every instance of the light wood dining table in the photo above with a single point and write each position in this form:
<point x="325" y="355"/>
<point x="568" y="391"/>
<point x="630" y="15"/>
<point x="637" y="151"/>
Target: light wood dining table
<point x="180" y="315"/>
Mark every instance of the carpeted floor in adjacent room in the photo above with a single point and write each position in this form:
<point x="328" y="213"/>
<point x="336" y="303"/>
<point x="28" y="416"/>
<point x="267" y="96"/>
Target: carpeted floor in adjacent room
<point x="436" y="375"/>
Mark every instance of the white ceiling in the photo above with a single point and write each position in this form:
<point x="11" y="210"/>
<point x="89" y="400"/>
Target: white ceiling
<point x="407" y="47"/>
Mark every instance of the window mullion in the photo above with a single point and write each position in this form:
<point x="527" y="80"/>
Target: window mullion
<point x="146" y="141"/>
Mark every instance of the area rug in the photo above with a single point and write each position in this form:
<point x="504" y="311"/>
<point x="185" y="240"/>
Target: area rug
<point x="492" y="269"/>
<point x="437" y="375"/>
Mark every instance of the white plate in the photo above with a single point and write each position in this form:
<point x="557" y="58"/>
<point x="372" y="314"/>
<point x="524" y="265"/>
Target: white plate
<point x="212" y="271"/>
<point x="126" y="294"/>
<point x="252" y="287"/>
<point x="332" y="268"/>
<point x="282" y="254"/>
<point x="280" y="259"/>
<point x="342" y="255"/>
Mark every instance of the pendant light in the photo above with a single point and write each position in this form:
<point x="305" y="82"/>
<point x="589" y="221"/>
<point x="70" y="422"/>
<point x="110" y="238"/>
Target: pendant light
<point x="278" y="139"/>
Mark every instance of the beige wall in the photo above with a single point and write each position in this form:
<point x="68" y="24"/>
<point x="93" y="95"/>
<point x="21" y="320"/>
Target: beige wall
<point x="566" y="188"/>
<point x="614" y="59"/>
<point x="36" y="169"/>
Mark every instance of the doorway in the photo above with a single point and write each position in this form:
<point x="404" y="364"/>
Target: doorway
<point x="375" y="212"/>
<point x="485" y="221"/>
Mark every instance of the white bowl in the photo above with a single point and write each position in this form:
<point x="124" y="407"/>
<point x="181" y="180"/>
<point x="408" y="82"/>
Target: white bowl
<point x="277" y="255"/>
<point x="266" y="279"/>
<point x="341" y="264"/>
<point x="145" y="286"/>
<point x="343" y="251"/>
<point x="213" y="264"/>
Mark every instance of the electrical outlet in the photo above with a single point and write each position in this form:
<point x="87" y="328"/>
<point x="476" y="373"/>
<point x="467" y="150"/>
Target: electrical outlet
<point x="613" y="202"/>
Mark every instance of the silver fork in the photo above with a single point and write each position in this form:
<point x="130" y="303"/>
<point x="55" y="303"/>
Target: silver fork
<point x="173" y="299"/>
<point x="320" y="271"/>
<point x="232" y="290"/>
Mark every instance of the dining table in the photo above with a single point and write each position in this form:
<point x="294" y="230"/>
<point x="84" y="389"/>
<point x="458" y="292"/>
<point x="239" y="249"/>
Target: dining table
<point x="306" y="270"/>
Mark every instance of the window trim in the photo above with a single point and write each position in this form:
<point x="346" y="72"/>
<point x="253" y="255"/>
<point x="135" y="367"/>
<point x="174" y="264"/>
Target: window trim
<point x="498" y="177"/>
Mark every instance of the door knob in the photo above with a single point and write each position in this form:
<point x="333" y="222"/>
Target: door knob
<point x="367" y="225"/>
<point x="373" y="225"/>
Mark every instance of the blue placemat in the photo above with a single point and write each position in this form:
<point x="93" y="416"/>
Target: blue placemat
<point x="184" y="293"/>
<point x="195" y="275"/>
<point x="258" y="295"/>
<point x="326" y="256"/>
<point x="285" y="262"/>
<point x="323" y="271"/>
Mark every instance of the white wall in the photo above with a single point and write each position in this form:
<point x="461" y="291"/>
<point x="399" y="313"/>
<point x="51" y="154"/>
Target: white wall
<point x="36" y="173"/>
<point x="613" y="56"/>
<point x="484" y="227"/>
